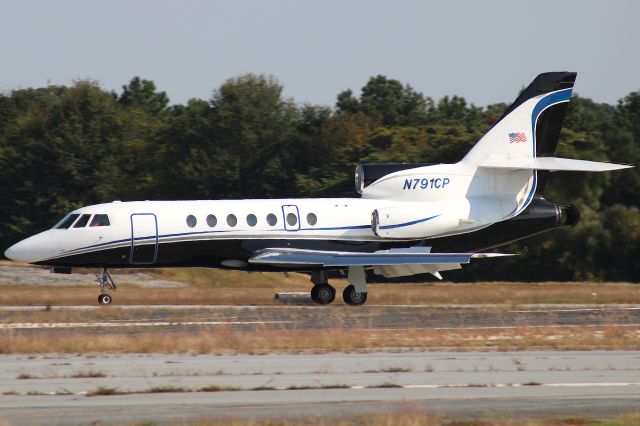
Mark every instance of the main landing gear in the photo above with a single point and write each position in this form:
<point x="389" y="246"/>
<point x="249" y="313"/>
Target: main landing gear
<point x="352" y="297"/>
<point x="103" y="277"/>
<point x="354" y="294"/>
<point x="322" y="293"/>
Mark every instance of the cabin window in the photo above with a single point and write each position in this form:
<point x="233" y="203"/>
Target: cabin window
<point x="312" y="219"/>
<point x="212" y="220"/>
<point x="100" y="220"/>
<point x="82" y="222"/>
<point x="252" y="220"/>
<point x="292" y="219"/>
<point x="232" y="220"/>
<point x="66" y="223"/>
<point x="191" y="221"/>
<point x="272" y="219"/>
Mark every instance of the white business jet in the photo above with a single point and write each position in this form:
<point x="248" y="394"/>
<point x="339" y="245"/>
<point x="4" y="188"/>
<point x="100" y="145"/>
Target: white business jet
<point x="409" y="219"/>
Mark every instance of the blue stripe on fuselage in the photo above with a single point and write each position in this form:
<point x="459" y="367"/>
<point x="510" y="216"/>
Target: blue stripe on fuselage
<point x="413" y="222"/>
<point x="153" y="237"/>
<point x="336" y="228"/>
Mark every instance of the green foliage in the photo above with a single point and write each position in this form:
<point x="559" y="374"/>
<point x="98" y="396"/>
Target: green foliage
<point x="64" y="147"/>
<point x="388" y="101"/>
<point x="254" y="124"/>
<point x="142" y="94"/>
<point x="338" y="147"/>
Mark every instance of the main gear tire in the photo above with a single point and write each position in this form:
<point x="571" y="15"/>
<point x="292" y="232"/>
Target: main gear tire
<point x="352" y="297"/>
<point x="323" y="294"/>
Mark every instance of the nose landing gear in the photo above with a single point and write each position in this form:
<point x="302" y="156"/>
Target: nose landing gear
<point x="105" y="282"/>
<point x="104" y="299"/>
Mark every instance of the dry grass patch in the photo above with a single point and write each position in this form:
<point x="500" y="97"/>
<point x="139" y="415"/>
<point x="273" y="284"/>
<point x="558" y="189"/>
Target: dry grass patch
<point x="507" y="293"/>
<point x="256" y="291"/>
<point x="411" y="416"/>
<point x="165" y="389"/>
<point x="259" y="288"/>
<point x="266" y="340"/>
<point x="220" y="388"/>
<point x="88" y="374"/>
<point x="630" y="419"/>
<point x="397" y="370"/>
<point x="105" y="391"/>
<point x="133" y="295"/>
<point x="26" y="376"/>
<point x="384" y="385"/>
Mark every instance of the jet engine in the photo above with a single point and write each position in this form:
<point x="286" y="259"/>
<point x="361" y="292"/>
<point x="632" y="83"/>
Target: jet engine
<point x="369" y="173"/>
<point x="412" y="223"/>
<point x="540" y="216"/>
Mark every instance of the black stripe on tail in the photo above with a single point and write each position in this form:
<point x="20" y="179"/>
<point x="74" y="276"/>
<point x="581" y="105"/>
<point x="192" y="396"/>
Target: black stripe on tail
<point x="550" y="121"/>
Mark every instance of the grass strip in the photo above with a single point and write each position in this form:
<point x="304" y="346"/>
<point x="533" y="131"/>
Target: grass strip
<point x="267" y="340"/>
<point x="252" y="290"/>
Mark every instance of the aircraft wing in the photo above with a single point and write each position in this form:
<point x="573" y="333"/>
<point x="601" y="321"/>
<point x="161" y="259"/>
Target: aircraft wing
<point x="401" y="256"/>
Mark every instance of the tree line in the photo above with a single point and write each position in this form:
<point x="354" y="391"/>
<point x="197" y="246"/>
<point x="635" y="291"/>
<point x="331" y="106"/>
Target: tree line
<point x="62" y="147"/>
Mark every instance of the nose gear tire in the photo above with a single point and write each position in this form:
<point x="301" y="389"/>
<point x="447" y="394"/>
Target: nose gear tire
<point x="105" y="299"/>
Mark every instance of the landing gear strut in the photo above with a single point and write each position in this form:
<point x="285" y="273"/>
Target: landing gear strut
<point x="103" y="277"/>
<point x="322" y="293"/>
<point x="356" y="292"/>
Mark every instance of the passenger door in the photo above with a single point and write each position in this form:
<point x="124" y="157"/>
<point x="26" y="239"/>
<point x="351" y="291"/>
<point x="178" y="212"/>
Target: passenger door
<point x="144" y="238"/>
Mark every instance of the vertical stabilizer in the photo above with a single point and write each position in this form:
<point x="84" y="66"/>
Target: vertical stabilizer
<point x="531" y="125"/>
<point x="529" y="128"/>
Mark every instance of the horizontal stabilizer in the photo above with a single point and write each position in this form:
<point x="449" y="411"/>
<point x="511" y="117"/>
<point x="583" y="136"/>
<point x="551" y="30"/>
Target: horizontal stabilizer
<point x="551" y="164"/>
<point x="408" y="256"/>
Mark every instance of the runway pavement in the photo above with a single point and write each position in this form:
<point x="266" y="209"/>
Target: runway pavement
<point x="65" y="319"/>
<point x="459" y="385"/>
<point x="53" y="389"/>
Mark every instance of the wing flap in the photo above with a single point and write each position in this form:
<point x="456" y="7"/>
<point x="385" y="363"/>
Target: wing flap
<point x="394" y="271"/>
<point x="409" y="256"/>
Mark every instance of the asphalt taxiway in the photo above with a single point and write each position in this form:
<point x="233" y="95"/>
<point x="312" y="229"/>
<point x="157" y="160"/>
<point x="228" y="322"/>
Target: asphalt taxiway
<point x="66" y="319"/>
<point x="458" y="385"/>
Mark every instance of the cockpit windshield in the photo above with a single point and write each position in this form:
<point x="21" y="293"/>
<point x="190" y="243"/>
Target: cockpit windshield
<point x="67" y="221"/>
<point x="72" y="219"/>
<point x="82" y="222"/>
<point x="100" y="220"/>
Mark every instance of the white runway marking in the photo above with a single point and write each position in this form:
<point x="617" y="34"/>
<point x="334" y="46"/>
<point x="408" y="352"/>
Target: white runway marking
<point x="560" y="383"/>
<point x="360" y="387"/>
<point x="516" y="385"/>
<point x="39" y="325"/>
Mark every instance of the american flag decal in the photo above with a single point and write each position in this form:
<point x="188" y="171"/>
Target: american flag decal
<point x="517" y="137"/>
